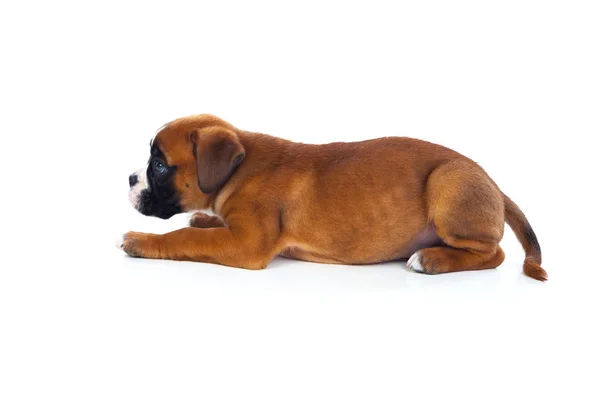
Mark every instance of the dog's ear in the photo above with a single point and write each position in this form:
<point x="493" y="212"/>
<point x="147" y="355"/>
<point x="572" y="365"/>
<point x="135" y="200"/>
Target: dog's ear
<point x="217" y="155"/>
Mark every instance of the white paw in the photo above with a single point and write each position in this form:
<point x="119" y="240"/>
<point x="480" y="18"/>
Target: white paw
<point x="414" y="262"/>
<point x="119" y="243"/>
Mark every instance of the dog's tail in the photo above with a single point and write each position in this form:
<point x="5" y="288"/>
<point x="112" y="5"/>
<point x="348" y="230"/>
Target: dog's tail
<point x="533" y="253"/>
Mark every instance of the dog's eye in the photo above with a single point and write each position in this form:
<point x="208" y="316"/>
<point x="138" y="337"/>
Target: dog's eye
<point x="159" y="167"/>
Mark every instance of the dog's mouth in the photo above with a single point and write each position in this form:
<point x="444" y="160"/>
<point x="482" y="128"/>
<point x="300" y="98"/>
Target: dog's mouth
<point x="144" y="203"/>
<point x="152" y="199"/>
<point x="148" y="205"/>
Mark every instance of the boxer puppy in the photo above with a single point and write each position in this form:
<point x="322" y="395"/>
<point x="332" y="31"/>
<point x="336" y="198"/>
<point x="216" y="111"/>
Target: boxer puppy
<point x="259" y="196"/>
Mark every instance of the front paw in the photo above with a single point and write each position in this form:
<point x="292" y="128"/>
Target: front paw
<point x="202" y="220"/>
<point x="145" y="245"/>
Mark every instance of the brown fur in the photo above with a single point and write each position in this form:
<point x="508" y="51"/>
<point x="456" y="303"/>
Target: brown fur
<point x="349" y="203"/>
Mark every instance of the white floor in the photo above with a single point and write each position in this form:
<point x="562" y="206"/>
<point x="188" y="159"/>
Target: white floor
<point x="103" y="325"/>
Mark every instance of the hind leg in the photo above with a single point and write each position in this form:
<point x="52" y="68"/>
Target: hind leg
<point x="439" y="260"/>
<point x="467" y="212"/>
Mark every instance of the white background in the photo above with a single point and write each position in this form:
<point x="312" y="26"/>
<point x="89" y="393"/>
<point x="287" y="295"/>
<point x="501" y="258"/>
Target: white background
<point x="83" y="87"/>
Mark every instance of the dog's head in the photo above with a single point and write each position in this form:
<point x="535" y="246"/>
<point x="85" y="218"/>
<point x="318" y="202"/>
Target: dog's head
<point x="190" y="160"/>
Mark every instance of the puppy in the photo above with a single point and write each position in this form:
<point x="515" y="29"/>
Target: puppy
<point x="259" y="196"/>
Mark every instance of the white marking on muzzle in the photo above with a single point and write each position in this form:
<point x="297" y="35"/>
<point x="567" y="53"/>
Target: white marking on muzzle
<point x="136" y="190"/>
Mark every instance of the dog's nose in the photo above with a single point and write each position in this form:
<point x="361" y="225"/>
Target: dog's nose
<point x="133" y="179"/>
